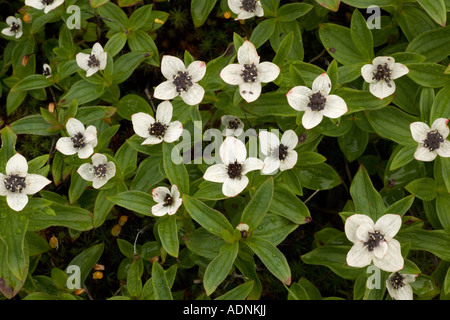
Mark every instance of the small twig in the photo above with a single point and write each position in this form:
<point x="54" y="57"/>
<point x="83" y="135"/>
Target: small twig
<point x="87" y="293"/>
<point x="310" y="197"/>
<point x="137" y="236"/>
<point x="318" y="56"/>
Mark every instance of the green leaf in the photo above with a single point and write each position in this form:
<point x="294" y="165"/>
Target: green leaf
<point x="86" y="260"/>
<point x="353" y="143"/>
<point x="262" y="32"/>
<point x="208" y="190"/>
<point x="126" y="64"/>
<point x="337" y="40"/>
<point x="332" y="5"/>
<point x="289" y="206"/>
<point x="428" y="74"/>
<point x="241" y="292"/>
<point x="292" y="11"/>
<point x="115" y="44"/>
<point x="319" y="177"/>
<point x="259" y="204"/>
<point x="137" y="201"/>
<point x="361" y="35"/>
<point x="7" y="150"/>
<point x="140" y="41"/>
<point x="440" y="105"/>
<point x="97" y="3"/>
<point x="435" y="241"/>
<point x="200" y="10"/>
<point x="34" y="124"/>
<point x="203" y="243"/>
<point x="423" y="188"/>
<point x="367" y="3"/>
<point x="83" y="92"/>
<point x="283" y="50"/>
<point x="77" y="187"/>
<point x="404" y="156"/>
<point x="436" y="9"/>
<point x="10" y="285"/>
<point x="358" y="100"/>
<point x="442" y="205"/>
<point x="147" y="175"/>
<point x="210" y="219"/>
<point x="401" y="206"/>
<point x="281" y="30"/>
<point x="272" y="258"/>
<point x="220" y="266"/>
<point x="118" y="18"/>
<point x="14" y="100"/>
<point x="34" y="81"/>
<point x="103" y="206"/>
<point x="141" y="17"/>
<point x="131" y="104"/>
<point x="134" y="274"/>
<point x="168" y="233"/>
<point x="176" y="172"/>
<point x="413" y="21"/>
<point x="366" y="198"/>
<point x="433" y="44"/>
<point x="160" y="284"/>
<point x="272" y="103"/>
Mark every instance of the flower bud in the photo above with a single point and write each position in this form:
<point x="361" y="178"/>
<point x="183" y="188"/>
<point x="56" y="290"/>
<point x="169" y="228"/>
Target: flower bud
<point x="53" y="242"/>
<point x="122" y="220"/>
<point x="97" y="275"/>
<point x="115" y="231"/>
<point x="99" y="267"/>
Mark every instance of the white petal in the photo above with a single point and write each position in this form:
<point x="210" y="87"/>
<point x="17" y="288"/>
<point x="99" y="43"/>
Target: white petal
<point x="235" y="5"/>
<point x="232" y="187"/>
<point x="159" y="194"/>
<point x="440" y="124"/>
<point x="141" y="124"/>
<point x="247" y="54"/>
<point x="170" y="66"/>
<point x="311" y="119"/>
<point x="164" y="112"/>
<point x="82" y="60"/>
<point x="8" y="32"/>
<point x="322" y="83"/>
<point x="37" y="4"/>
<point x="11" y="19"/>
<point x="289" y="139"/>
<point x="3" y="190"/>
<point x="65" y="146"/>
<point x="444" y="149"/>
<point x="99" y="158"/>
<point x="380" y="250"/>
<point x="424" y="154"/>
<point x="174" y="192"/>
<point x="17" y="201"/>
<point x="358" y="256"/>
<point x="403" y="293"/>
<point x="367" y="73"/>
<point x="267" y="71"/>
<point x="398" y="70"/>
<point x="74" y="126"/>
<point x="152" y="140"/>
<point x="335" y="107"/>
<point x="90" y="136"/>
<point x="382" y="89"/>
<point x="173" y="132"/>
<point x="17" y="164"/>
<point x="352" y="223"/>
<point x="362" y="232"/>
<point x="19" y="34"/>
<point x="159" y="210"/>
<point x="110" y="170"/>
<point x="194" y="95"/>
<point x="86" y="171"/>
<point x="174" y="207"/>
<point x="97" y="50"/>
<point x="103" y="58"/>
<point x="389" y="224"/>
<point x="251" y="164"/>
<point x="85" y="152"/>
<point x="52" y="6"/>
<point x="231" y="74"/>
<point x="99" y="182"/>
<point x="268" y="142"/>
<point x="419" y="131"/>
<point x="91" y="71"/>
<point x="290" y="161"/>
<point x="245" y="15"/>
<point x="271" y="164"/>
<point x="259" y="11"/>
<point x="393" y="260"/>
<point x="165" y="91"/>
<point x="197" y="70"/>
<point x="250" y="91"/>
<point x="216" y="173"/>
<point x="383" y="60"/>
<point x="35" y="183"/>
<point x="232" y="150"/>
<point x="298" y="97"/>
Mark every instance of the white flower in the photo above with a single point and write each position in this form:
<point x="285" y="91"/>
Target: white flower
<point x="181" y="81"/>
<point x="432" y="141"/>
<point x="159" y="130"/>
<point x="168" y="202"/>
<point x="246" y="8"/>
<point x="374" y="242"/>
<point x="279" y="155"/>
<point x="99" y="171"/>
<point x="399" y="287"/>
<point x="17" y="183"/>
<point x="15" y="27"/>
<point x="46" y="70"/>
<point x="47" y="5"/>
<point x="316" y="102"/>
<point x="234" y="167"/>
<point x="80" y="141"/>
<point x="243" y="228"/>
<point x="233" y="126"/>
<point x="249" y="73"/>
<point x="381" y="75"/>
<point x="94" y="61"/>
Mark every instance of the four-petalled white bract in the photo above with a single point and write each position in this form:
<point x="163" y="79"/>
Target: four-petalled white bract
<point x="99" y="171"/>
<point x="94" y="61"/>
<point x="47" y="5"/>
<point x="15" y="27"/>
<point x="317" y="102"/>
<point x="234" y="167"/>
<point x="374" y="242"/>
<point x="381" y="75"/>
<point x="248" y="74"/>
<point x="17" y="184"/>
<point x="167" y="202"/>
<point x="181" y="81"/>
<point x="398" y="285"/>
<point x="81" y="141"/>
<point x="279" y="154"/>
<point x="233" y="126"/>
<point x="246" y="8"/>
<point x="432" y="141"/>
<point x="159" y="130"/>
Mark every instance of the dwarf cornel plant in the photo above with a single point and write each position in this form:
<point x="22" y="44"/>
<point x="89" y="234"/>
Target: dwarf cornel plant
<point x="225" y="149"/>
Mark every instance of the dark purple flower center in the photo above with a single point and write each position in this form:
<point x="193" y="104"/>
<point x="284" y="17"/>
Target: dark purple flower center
<point x="317" y="101"/>
<point x="168" y="200"/>
<point x="100" y="170"/>
<point x="250" y="73"/>
<point x="282" y="152"/>
<point x="433" y="140"/>
<point x="15" y="183"/>
<point x="374" y="240"/>
<point x="397" y="280"/>
<point x="182" y="81"/>
<point x="14" y="27"/>
<point x="93" y="61"/>
<point x="233" y="124"/>
<point x="158" y="129"/>
<point x="248" y="5"/>
<point x="78" y="141"/>
<point x="234" y="170"/>
<point x="383" y="72"/>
